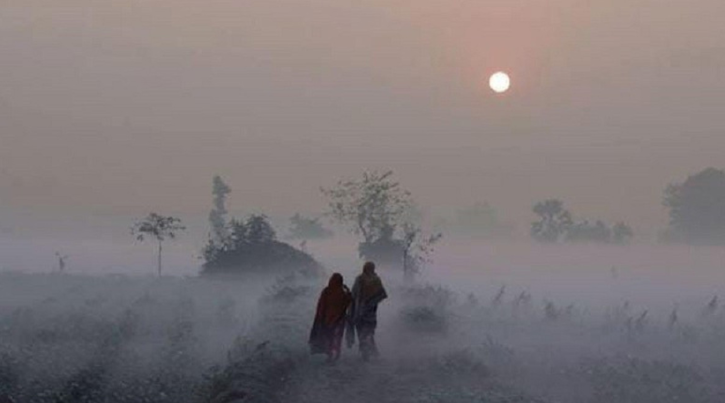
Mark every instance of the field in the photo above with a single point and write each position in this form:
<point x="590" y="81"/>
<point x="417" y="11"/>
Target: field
<point x="545" y="328"/>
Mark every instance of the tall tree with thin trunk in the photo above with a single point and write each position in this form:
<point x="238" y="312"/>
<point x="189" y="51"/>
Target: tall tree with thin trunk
<point x="160" y="228"/>
<point x="217" y="216"/>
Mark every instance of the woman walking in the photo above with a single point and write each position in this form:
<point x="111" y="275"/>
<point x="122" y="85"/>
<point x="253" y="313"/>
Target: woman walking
<point x="367" y="293"/>
<point x="330" y="318"/>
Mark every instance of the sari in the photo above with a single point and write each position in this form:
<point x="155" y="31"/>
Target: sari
<point x="328" y="327"/>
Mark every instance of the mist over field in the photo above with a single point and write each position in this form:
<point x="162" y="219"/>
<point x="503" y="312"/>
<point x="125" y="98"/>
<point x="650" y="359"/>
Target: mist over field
<point x="219" y="309"/>
<point x="540" y="184"/>
<point x="486" y="321"/>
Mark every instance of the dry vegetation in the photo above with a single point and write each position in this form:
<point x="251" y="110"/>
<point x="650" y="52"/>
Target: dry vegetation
<point x="136" y="339"/>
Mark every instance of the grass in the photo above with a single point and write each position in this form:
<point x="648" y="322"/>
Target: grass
<point x="121" y="339"/>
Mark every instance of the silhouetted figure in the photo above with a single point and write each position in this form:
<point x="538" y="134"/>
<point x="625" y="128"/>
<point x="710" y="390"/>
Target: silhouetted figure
<point x="367" y="293"/>
<point x="329" y="325"/>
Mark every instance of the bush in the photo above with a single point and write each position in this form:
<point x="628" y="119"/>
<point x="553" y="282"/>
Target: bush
<point x="254" y="248"/>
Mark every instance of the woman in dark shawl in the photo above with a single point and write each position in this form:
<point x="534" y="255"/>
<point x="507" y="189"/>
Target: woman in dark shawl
<point x="329" y="325"/>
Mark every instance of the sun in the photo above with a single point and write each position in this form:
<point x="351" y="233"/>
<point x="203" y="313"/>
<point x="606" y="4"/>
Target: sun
<point x="499" y="82"/>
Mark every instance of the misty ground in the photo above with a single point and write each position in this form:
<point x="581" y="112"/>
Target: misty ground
<point x="583" y="325"/>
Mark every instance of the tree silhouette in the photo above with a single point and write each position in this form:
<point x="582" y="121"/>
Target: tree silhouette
<point x="160" y="228"/>
<point x="372" y="205"/>
<point x="553" y="221"/>
<point x="253" y="248"/>
<point x="556" y="223"/>
<point x="697" y="207"/>
<point x="217" y="216"/>
<point x="259" y="230"/>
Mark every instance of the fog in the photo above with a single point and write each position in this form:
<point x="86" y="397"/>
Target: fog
<point x="461" y="331"/>
<point x="110" y="110"/>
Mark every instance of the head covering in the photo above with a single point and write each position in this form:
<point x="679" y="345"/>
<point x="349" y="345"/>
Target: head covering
<point x="329" y="324"/>
<point x="369" y="268"/>
<point x="334" y="300"/>
<point x="335" y="281"/>
<point x="371" y="285"/>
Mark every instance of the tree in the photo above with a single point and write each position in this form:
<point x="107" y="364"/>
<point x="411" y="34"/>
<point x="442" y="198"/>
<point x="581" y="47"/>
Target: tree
<point x="253" y="248"/>
<point x="238" y="234"/>
<point x="554" y="221"/>
<point x="374" y="207"/>
<point x="248" y="246"/>
<point x="219" y="237"/>
<point x="697" y="207"/>
<point x="369" y="205"/>
<point x="259" y="230"/>
<point x="256" y="230"/>
<point x="217" y="216"/>
<point x="158" y="227"/>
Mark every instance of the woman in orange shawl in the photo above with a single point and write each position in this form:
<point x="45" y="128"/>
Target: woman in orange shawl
<point x="329" y="325"/>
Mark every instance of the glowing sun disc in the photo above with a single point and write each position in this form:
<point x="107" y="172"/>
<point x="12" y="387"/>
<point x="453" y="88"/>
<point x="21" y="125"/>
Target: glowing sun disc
<point x="499" y="82"/>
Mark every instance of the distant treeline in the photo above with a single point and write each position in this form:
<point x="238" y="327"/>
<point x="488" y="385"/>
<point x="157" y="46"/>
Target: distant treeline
<point x="555" y="223"/>
<point x="696" y="209"/>
<point x="377" y="209"/>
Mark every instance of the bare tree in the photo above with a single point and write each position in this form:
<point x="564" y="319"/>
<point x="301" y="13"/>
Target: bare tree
<point x="417" y="248"/>
<point x="373" y="205"/>
<point x="378" y="209"/>
<point x="158" y="227"/>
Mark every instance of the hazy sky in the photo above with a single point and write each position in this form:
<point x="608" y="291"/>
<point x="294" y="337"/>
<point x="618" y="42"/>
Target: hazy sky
<point x="131" y="105"/>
